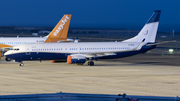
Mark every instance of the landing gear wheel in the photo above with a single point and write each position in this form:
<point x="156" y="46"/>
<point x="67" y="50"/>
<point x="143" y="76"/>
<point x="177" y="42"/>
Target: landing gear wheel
<point x="21" y="64"/>
<point x="91" y="63"/>
<point x="7" y="59"/>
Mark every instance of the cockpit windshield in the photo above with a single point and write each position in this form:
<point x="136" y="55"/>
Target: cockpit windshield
<point x="15" y="49"/>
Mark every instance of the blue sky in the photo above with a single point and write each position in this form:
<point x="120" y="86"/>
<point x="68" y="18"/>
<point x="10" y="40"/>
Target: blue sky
<point x="131" y="14"/>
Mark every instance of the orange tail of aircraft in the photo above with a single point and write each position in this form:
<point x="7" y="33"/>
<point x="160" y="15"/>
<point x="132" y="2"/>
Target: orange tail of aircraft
<point x="60" y="31"/>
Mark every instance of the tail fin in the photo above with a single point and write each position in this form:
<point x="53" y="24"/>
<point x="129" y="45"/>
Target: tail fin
<point x="60" y="31"/>
<point x="149" y="31"/>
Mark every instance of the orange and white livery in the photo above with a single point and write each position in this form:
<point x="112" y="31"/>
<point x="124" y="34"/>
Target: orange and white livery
<point x="59" y="33"/>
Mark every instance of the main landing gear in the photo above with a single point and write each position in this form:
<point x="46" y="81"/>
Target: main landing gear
<point x="90" y="63"/>
<point x="21" y="64"/>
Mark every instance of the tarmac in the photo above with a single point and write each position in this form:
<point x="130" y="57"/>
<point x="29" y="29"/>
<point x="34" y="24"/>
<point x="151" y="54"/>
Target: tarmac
<point x="150" y="74"/>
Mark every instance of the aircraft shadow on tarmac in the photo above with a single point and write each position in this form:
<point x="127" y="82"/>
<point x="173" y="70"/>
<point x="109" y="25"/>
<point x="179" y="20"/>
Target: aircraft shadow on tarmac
<point x="118" y="63"/>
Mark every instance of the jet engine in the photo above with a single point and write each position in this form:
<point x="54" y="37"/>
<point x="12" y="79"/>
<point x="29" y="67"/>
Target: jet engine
<point x="78" y="59"/>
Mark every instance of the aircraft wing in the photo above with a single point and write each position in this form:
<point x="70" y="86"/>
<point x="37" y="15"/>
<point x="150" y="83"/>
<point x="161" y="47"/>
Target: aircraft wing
<point x="101" y="54"/>
<point x="90" y="55"/>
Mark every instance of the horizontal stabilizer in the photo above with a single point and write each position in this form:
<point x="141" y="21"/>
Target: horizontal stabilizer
<point x="160" y="43"/>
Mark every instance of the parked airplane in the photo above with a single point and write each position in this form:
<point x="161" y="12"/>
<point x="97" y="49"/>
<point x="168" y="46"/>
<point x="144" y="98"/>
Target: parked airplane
<point x="58" y="34"/>
<point x="80" y="52"/>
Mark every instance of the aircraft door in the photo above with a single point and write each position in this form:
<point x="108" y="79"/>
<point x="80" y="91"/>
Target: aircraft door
<point x="28" y="50"/>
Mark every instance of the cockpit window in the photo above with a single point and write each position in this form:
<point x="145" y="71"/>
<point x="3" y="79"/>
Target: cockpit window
<point x="15" y="49"/>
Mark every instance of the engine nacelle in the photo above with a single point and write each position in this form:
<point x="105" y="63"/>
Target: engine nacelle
<point x="75" y="59"/>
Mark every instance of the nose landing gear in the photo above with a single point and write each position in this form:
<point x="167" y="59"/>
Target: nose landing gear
<point x="7" y="59"/>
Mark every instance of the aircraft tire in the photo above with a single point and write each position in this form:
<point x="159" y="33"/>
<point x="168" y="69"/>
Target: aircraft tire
<point x="91" y="63"/>
<point x="21" y="64"/>
<point x="7" y="59"/>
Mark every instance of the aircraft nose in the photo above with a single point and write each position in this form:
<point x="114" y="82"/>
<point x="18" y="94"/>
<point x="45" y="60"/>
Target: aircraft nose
<point x="7" y="53"/>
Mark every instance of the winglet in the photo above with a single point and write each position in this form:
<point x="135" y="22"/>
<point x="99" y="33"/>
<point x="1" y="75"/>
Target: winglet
<point x="60" y="31"/>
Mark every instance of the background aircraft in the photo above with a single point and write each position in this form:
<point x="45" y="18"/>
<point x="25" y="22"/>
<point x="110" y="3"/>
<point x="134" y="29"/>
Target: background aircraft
<point x="80" y="52"/>
<point x="58" y="34"/>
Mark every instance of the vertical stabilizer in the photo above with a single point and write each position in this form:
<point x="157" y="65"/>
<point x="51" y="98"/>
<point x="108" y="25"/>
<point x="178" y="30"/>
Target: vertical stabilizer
<point x="149" y="31"/>
<point x="60" y="31"/>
